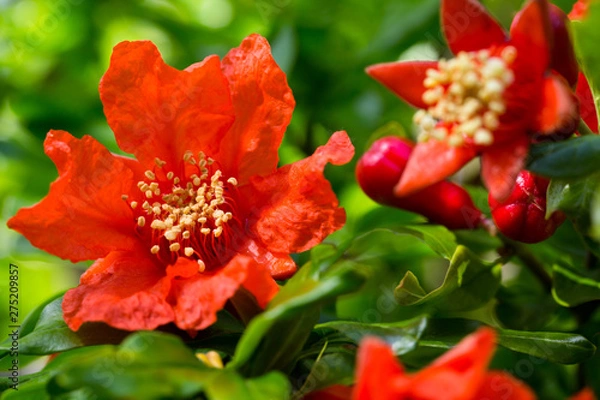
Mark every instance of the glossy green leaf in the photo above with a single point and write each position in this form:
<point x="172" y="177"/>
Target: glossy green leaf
<point x="50" y="334"/>
<point x="571" y="288"/>
<point x="379" y="242"/>
<point x="469" y="283"/>
<point x="572" y="196"/>
<point x="573" y="158"/>
<point x="558" y="347"/>
<point x="401" y="336"/>
<point x="230" y="386"/>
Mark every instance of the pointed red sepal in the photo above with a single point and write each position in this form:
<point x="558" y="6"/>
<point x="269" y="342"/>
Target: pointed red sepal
<point x="501" y="385"/>
<point x="501" y="164"/>
<point x="530" y="33"/>
<point x="587" y="106"/>
<point x="559" y="111"/>
<point x="431" y="162"/>
<point x="405" y="79"/>
<point x="563" y="54"/>
<point x="467" y="26"/>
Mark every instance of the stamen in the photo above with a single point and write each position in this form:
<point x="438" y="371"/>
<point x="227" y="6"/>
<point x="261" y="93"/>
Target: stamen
<point x="150" y="175"/>
<point x="466" y="94"/>
<point x="182" y="211"/>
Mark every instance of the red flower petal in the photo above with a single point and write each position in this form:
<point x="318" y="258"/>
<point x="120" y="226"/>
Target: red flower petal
<point x="459" y="373"/>
<point x="299" y="209"/>
<point x="83" y="216"/>
<point x="263" y="104"/>
<point x="558" y="108"/>
<point x="377" y="371"/>
<point x="498" y="385"/>
<point x="201" y="296"/>
<point x="529" y="33"/>
<point x="584" y="394"/>
<point x="431" y="162"/>
<point x="501" y="164"/>
<point x="280" y="266"/>
<point x="127" y="290"/>
<point x="467" y="26"/>
<point x="404" y="78"/>
<point x="586" y="103"/>
<point x="158" y="111"/>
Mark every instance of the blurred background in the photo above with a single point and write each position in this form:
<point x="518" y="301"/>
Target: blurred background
<point x="54" y="52"/>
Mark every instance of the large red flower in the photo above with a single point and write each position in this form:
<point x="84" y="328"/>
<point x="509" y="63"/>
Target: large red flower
<point x="203" y="211"/>
<point x="489" y="100"/>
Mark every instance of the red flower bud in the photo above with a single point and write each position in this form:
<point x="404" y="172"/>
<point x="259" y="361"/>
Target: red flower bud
<point x="563" y="56"/>
<point x="445" y="203"/>
<point x="521" y="217"/>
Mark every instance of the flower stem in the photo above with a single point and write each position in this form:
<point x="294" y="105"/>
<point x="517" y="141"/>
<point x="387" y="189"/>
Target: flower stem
<point x="583" y="129"/>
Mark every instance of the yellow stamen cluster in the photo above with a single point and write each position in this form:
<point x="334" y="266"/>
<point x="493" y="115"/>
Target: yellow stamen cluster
<point x="180" y="213"/>
<point x="211" y="359"/>
<point x="466" y="94"/>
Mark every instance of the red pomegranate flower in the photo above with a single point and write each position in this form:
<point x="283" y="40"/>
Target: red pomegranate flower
<point x="460" y="374"/>
<point x="203" y="211"/>
<point x="489" y="100"/>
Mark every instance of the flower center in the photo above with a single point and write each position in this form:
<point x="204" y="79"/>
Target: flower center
<point x="465" y="97"/>
<point x="186" y="217"/>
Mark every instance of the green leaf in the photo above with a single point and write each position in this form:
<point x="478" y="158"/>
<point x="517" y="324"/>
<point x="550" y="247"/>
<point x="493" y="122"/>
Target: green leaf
<point x="401" y="336"/>
<point x="573" y="158"/>
<point x="51" y="335"/>
<point x="469" y="284"/>
<point x="230" y="386"/>
<point x="378" y="242"/>
<point x="572" y="196"/>
<point x="571" y="288"/>
<point x="149" y="365"/>
<point x="557" y="347"/>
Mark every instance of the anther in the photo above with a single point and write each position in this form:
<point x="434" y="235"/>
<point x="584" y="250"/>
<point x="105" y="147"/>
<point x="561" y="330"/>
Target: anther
<point x="201" y="266"/>
<point x="133" y="205"/>
<point x="155" y="249"/>
<point x="124" y="197"/>
<point x="141" y="221"/>
<point x="188" y="251"/>
<point x="174" y="247"/>
<point x="232" y="181"/>
<point x="150" y="175"/>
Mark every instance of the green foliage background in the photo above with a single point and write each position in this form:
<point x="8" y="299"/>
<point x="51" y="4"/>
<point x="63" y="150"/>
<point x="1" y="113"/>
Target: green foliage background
<point x="53" y="53"/>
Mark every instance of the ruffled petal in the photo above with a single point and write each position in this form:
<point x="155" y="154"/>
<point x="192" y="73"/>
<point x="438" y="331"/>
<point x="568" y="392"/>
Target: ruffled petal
<point x="295" y="208"/>
<point x="467" y="26"/>
<point x="83" y="217"/>
<point x="158" y="111"/>
<point x="498" y="385"/>
<point x="405" y="79"/>
<point x="530" y="33"/>
<point x="263" y="104"/>
<point x="459" y="373"/>
<point x="126" y="290"/>
<point x="378" y="373"/>
<point x="559" y="112"/>
<point x="199" y="296"/>
<point x="431" y="162"/>
<point x="586" y="103"/>
<point x="280" y="266"/>
<point x="501" y="164"/>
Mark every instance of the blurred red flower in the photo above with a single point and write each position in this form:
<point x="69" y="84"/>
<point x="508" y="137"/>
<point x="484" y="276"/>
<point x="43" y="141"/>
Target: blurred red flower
<point x="203" y="211"/>
<point x="489" y="100"/>
<point x="459" y="374"/>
